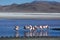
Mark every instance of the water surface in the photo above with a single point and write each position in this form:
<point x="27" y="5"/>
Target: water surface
<point x="7" y="27"/>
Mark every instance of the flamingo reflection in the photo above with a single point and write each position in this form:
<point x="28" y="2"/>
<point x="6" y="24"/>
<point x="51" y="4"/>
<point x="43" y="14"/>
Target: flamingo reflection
<point x="35" y="33"/>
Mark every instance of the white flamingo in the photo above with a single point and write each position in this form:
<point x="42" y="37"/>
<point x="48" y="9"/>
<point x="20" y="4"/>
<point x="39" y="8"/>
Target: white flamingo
<point x="16" y="28"/>
<point x="45" y="26"/>
<point x="42" y="27"/>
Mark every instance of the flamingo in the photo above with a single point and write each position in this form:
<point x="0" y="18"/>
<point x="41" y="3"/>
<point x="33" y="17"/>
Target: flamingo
<point x="16" y="28"/>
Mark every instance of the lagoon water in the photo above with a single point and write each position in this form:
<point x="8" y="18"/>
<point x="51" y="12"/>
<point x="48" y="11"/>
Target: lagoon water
<point x="7" y="27"/>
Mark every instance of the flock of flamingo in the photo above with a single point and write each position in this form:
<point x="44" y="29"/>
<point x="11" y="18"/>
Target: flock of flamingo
<point x="30" y="27"/>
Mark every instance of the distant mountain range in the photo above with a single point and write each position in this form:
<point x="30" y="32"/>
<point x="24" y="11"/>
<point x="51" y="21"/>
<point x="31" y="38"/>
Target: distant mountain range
<point x="35" y="7"/>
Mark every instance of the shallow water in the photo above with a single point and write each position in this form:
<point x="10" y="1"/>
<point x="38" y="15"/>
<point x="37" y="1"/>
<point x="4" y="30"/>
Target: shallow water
<point x="7" y="27"/>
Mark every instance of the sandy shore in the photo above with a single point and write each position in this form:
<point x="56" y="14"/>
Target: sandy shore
<point x="32" y="38"/>
<point x="30" y="15"/>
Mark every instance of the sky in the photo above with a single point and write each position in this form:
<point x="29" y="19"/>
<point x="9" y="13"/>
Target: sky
<point x="8" y="2"/>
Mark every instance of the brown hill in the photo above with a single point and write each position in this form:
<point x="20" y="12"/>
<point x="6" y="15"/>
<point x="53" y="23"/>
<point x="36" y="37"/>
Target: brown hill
<point x="41" y="6"/>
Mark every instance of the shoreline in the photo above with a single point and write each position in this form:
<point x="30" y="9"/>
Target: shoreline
<point x="32" y="38"/>
<point x="30" y="15"/>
